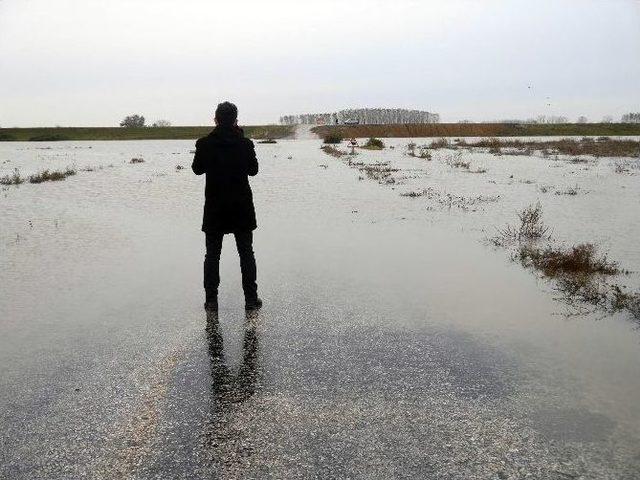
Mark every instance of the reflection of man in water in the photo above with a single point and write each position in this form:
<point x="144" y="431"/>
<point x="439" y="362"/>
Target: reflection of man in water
<point x="228" y="159"/>
<point x="228" y="389"/>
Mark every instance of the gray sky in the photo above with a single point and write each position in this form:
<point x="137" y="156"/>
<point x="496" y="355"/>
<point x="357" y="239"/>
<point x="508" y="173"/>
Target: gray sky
<point x="91" y="62"/>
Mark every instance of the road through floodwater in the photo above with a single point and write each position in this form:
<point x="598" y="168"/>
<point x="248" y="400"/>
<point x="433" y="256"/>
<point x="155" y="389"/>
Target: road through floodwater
<point x="392" y="343"/>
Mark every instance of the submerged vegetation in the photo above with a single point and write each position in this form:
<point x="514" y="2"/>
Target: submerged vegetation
<point x="381" y="172"/>
<point x="333" y="151"/>
<point x="52" y="175"/>
<point x="584" y="277"/>
<point x="14" y="179"/>
<point x="531" y="227"/>
<point x="374" y="144"/>
<point x="449" y="200"/>
<point x="48" y="175"/>
<point x="566" y="146"/>
<point x="577" y="260"/>
<point x="603" y="147"/>
<point x="626" y="166"/>
<point x="332" y="138"/>
<point x="417" y="130"/>
<point x="579" y="272"/>
<point x="456" y="161"/>
<point x="423" y="151"/>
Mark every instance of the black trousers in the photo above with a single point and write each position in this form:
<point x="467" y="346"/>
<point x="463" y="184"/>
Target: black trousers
<point x="244" y="243"/>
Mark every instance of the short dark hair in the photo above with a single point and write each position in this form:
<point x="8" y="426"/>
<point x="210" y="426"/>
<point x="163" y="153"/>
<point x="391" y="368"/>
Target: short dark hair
<point x="226" y="114"/>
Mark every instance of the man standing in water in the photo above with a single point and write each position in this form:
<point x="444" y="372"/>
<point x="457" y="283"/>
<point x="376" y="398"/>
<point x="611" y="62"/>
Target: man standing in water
<point x="228" y="159"/>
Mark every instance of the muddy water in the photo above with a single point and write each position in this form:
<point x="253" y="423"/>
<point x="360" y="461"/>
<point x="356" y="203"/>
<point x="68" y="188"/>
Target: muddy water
<point x="369" y="296"/>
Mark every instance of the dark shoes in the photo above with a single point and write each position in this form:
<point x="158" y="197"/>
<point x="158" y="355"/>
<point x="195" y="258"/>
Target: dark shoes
<point x="211" y="306"/>
<point x="254" y="304"/>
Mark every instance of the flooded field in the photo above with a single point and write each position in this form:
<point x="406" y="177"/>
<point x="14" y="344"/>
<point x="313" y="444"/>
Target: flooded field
<point x="397" y="339"/>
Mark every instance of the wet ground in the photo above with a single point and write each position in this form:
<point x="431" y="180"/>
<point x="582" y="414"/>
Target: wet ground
<point x="394" y="342"/>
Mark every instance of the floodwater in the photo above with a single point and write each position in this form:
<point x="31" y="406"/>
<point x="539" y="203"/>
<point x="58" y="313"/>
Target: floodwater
<point x="394" y="341"/>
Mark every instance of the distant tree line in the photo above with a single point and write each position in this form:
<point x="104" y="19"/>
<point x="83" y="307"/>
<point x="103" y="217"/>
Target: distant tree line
<point x="631" y="118"/>
<point x="367" y="116"/>
<point x="138" y="121"/>
<point x="554" y="119"/>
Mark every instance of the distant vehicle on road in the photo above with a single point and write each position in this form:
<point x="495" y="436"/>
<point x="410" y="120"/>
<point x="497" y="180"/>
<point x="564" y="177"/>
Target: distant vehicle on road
<point x="351" y="122"/>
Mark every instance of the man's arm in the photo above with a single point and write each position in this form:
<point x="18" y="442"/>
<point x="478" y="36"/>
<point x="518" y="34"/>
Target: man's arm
<point x="198" y="166"/>
<point x="252" y="160"/>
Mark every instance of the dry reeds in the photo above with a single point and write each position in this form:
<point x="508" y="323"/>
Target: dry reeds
<point x="373" y="144"/>
<point x="581" y="259"/>
<point x="333" y="151"/>
<point x="381" y="172"/>
<point x="14" y="179"/>
<point x="566" y="146"/>
<point x="531" y="227"/>
<point x="456" y="161"/>
<point x="332" y="138"/>
<point x="52" y="175"/>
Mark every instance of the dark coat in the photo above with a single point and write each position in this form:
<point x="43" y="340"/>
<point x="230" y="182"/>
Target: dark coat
<point x="228" y="158"/>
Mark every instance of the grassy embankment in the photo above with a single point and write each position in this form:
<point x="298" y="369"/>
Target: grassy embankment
<point x="48" y="134"/>
<point x="478" y="130"/>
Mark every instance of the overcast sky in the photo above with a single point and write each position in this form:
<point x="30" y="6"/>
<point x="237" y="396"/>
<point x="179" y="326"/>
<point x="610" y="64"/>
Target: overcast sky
<point x="91" y="62"/>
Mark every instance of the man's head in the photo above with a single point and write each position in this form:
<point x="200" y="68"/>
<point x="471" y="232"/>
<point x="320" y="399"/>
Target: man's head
<point x="226" y="114"/>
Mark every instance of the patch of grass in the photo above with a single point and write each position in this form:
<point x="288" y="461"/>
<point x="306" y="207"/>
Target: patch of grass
<point x="623" y="300"/>
<point x="374" y="144"/>
<point x="564" y="146"/>
<point x="449" y="200"/>
<point x="577" y="260"/>
<point x="625" y="166"/>
<point x="6" y="137"/>
<point x="572" y="191"/>
<point x="423" y="152"/>
<point x="333" y="151"/>
<point x="91" y="168"/>
<point x="440" y="143"/>
<point x="578" y="272"/>
<point x="456" y="161"/>
<point x="620" y="167"/>
<point x="332" y="139"/>
<point x="413" y="194"/>
<point x="531" y="227"/>
<point x="136" y="160"/>
<point x="52" y="175"/>
<point x="14" y="179"/>
<point x="381" y="172"/>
